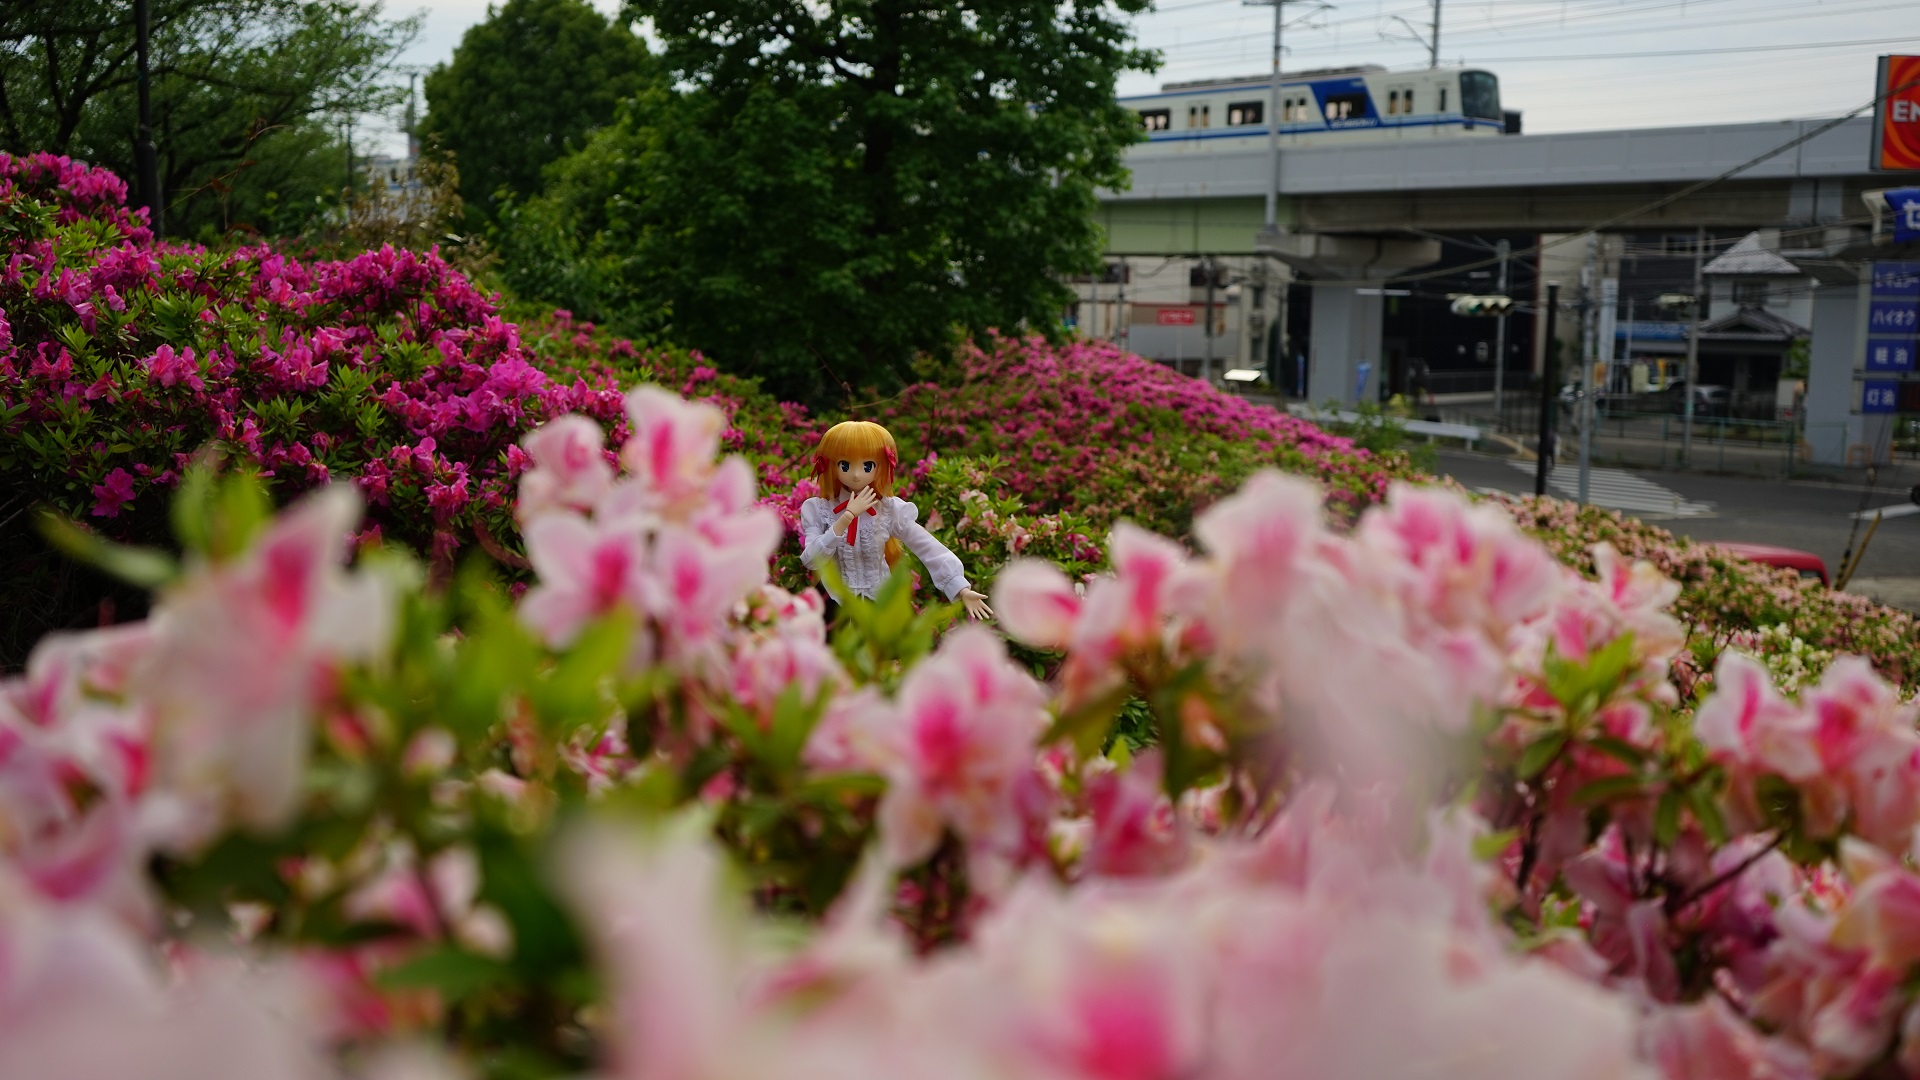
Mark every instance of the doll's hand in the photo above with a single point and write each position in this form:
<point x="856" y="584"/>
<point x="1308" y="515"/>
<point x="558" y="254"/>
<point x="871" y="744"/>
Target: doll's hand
<point x="862" y="500"/>
<point x="976" y="604"/>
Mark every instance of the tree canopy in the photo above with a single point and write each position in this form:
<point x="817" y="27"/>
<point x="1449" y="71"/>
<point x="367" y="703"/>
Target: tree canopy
<point x="241" y="91"/>
<point x="527" y="86"/>
<point x="818" y="194"/>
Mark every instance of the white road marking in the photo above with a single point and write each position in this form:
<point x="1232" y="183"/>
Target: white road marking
<point x="1896" y="510"/>
<point x="1617" y="489"/>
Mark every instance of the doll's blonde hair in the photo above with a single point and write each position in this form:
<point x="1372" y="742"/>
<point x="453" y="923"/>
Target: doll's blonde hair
<point x="858" y="441"/>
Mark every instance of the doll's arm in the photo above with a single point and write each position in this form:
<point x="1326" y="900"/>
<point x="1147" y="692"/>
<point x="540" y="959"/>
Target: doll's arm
<point x="816" y="521"/>
<point x="949" y="576"/>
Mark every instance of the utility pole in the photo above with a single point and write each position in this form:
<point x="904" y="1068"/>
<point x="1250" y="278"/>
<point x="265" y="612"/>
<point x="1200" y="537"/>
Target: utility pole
<point x="1693" y="348"/>
<point x="413" y="138"/>
<point x="1626" y="351"/>
<point x="1206" y="365"/>
<point x="1589" y="314"/>
<point x="1273" y="116"/>
<point x="146" y="159"/>
<point x="1500" y="343"/>
<point x="1433" y="45"/>
<point x="1546" y="393"/>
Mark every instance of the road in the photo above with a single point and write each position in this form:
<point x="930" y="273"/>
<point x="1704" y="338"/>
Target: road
<point x="1812" y="516"/>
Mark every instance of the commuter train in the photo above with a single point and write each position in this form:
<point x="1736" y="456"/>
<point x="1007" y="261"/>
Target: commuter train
<point x="1330" y="107"/>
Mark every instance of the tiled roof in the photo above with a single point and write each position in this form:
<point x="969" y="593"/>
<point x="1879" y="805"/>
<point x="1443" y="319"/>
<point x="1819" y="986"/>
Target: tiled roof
<point x="1748" y="257"/>
<point x="1752" y="324"/>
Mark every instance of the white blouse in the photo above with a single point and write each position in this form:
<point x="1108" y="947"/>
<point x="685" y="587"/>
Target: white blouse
<point x="863" y="563"/>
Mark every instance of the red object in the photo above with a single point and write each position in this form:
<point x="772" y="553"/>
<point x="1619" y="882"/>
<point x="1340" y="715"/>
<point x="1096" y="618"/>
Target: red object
<point x="1899" y="113"/>
<point x="1809" y="564"/>
<point x="853" y="527"/>
<point x="1174" y="316"/>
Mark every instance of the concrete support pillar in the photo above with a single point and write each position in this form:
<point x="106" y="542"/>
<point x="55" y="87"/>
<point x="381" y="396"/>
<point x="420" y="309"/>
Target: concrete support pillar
<point x="1343" y="355"/>
<point x="1833" y="424"/>
<point x="1348" y="308"/>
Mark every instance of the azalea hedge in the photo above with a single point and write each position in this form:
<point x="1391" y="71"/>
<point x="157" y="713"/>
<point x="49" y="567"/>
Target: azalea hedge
<point x="1797" y="624"/>
<point x="649" y="821"/>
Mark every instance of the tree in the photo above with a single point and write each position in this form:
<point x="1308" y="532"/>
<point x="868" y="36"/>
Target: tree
<point x="241" y="93"/>
<point x="828" y="191"/>
<point x="526" y="87"/>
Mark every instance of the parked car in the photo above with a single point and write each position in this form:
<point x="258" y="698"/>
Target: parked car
<point x="1707" y="400"/>
<point x="1807" y="563"/>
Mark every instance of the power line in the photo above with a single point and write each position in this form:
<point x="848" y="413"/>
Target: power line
<point x="1765" y="16"/>
<point x="1701" y="52"/>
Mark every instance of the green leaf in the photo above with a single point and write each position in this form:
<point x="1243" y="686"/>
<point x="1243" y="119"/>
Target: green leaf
<point x="1087" y="724"/>
<point x="1619" y="749"/>
<point x="1608" y="788"/>
<point x="454" y="972"/>
<point x="1539" y="753"/>
<point x="1581" y="687"/>
<point x="1492" y="845"/>
<point x="149" y="568"/>
<point x="1706" y="810"/>
<point x="1666" y="818"/>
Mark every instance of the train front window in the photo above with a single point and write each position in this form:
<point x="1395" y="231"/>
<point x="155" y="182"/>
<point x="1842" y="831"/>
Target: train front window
<point x="1156" y="119"/>
<point x="1480" y="95"/>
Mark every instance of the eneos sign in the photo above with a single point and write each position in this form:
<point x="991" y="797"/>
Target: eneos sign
<point x="1897" y="115"/>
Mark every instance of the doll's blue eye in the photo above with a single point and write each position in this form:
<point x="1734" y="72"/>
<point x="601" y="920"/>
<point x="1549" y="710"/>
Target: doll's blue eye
<point x="845" y="465"/>
<point x="869" y="466"/>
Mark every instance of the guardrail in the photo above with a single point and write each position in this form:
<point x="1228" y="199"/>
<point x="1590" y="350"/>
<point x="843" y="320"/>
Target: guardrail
<point x="1432" y="429"/>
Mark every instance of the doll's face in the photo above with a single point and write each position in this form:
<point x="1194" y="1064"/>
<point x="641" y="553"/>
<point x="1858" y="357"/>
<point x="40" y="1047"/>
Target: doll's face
<point x="855" y="475"/>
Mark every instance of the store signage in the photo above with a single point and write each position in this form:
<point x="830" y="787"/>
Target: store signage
<point x="1897" y="114"/>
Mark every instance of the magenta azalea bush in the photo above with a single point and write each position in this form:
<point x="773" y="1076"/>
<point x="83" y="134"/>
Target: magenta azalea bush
<point x="1094" y="431"/>
<point x="1423" y="799"/>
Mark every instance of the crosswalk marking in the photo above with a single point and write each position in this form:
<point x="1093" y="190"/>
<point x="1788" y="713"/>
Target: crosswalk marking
<point x="1617" y="489"/>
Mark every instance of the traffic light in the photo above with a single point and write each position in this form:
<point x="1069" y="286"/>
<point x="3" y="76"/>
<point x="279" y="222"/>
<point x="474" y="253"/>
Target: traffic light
<point x="1464" y="304"/>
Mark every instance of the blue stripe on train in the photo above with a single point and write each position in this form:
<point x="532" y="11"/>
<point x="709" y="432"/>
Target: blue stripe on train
<point x="1255" y="131"/>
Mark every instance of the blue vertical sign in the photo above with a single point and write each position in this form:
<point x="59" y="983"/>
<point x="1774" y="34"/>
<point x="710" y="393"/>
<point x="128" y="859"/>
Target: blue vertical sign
<point x="1905" y="204"/>
<point x="1893" y="329"/>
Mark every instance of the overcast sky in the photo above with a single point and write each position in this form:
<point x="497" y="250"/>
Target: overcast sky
<point x="1568" y="65"/>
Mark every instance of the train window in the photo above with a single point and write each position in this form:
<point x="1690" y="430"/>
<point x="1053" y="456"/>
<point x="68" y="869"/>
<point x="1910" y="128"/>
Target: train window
<point x="1156" y="119"/>
<point x="1198" y="116"/>
<point x="1346" y="107"/>
<point x="1443" y="99"/>
<point x="1246" y="112"/>
<point x="1393" y="102"/>
<point x="1480" y="95"/>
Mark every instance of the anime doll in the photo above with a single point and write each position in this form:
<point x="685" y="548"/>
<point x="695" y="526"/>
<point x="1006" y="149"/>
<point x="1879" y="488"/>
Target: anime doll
<point x="862" y="526"/>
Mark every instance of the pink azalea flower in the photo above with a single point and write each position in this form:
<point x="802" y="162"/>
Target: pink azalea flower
<point x="1035" y="603"/>
<point x="586" y="571"/>
<point x="167" y="368"/>
<point x="113" y="494"/>
<point x="674" y="442"/>
<point x="570" y="468"/>
<point x="961" y="741"/>
<point x="1746" y="721"/>
<point x="243" y="651"/>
